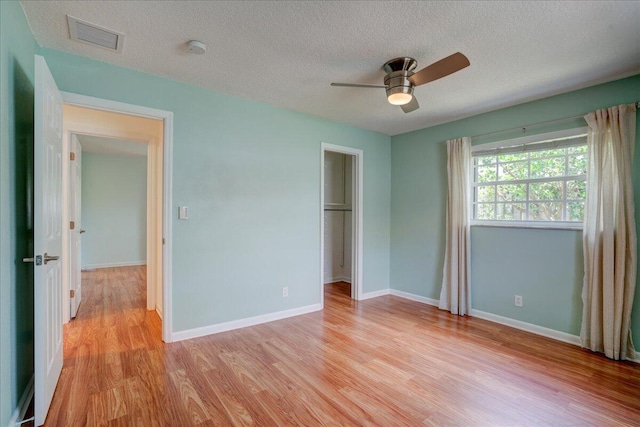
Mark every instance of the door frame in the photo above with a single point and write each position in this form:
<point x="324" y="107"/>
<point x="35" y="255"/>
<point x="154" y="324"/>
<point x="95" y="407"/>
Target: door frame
<point x="357" y="215"/>
<point x="167" y="190"/>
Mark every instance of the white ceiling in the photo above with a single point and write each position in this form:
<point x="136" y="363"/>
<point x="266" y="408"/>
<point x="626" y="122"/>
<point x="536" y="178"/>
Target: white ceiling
<point x="287" y="53"/>
<point x="119" y="147"/>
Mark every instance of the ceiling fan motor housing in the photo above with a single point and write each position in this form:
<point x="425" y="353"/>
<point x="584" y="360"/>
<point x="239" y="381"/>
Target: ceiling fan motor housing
<point x="398" y="82"/>
<point x="398" y="72"/>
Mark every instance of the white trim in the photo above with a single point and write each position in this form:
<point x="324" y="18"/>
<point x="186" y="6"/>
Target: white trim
<point x="23" y="404"/>
<point x="159" y="311"/>
<point x="528" y="327"/>
<point x="167" y="149"/>
<point x="113" y="264"/>
<point x="374" y="294"/>
<point x="567" y="133"/>
<point x="516" y="324"/>
<point x="358" y="218"/>
<point x="540" y="225"/>
<point x="414" y="297"/>
<point x="513" y="323"/>
<point x="243" y="323"/>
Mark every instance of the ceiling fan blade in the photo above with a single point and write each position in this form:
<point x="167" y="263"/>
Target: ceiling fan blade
<point x="442" y="68"/>
<point x="411" y="106"/>
<point x="356" y="85"/>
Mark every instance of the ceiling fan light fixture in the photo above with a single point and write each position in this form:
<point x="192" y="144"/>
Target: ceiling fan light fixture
<point x="399" y="98"/>
<point x="400" y="95"/>
<point x="399" y="88"/>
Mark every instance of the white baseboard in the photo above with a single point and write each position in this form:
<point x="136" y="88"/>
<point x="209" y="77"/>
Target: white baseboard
<point x="159" y="311"/>
<point x="516" y="324"/>
<point x="243" y="323"/>
<point x="113" y="264"/>
<point x="374" y="294"/>
<point x="414" y="297"/>
<point x="23" y="404"/>
<point x="528" y="327"/>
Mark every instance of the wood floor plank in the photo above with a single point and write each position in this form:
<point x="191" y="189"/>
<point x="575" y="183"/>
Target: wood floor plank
<point x="385" y="361"/>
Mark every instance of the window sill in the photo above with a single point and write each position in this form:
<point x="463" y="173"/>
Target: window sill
<point x="529" y="224"/>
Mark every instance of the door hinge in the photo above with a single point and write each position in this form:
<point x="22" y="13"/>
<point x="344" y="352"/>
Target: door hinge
<point x="72" y="225"/>
<point x="72" y="293"/>
<point x="163" y="242"/>
<point x="72" y="156"/>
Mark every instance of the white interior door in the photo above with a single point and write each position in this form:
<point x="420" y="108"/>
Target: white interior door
<point x="75" y="213"/>
<point x="47" y="238"/>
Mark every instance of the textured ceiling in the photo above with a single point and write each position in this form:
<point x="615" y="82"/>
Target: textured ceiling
<point x="119" y="147"/>
<point x="287" y="53"/>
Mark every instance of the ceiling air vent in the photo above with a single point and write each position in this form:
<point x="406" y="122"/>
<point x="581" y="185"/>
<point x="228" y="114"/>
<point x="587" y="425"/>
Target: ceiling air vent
<point x="95" y="35"/>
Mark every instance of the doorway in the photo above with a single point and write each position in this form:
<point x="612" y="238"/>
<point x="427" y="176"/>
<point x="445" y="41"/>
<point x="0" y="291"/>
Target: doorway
<point x="108" y="210"/>
<point x="114" y="127"/>
<point x="341" y="219"/>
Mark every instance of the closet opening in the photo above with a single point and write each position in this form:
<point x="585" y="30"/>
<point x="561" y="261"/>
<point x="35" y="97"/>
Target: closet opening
<point x="341" y="222"/>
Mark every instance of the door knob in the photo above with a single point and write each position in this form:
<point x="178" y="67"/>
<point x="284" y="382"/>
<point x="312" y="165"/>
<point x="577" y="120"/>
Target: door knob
<point x="48" y="258"/>
<point x="83" y="231"/>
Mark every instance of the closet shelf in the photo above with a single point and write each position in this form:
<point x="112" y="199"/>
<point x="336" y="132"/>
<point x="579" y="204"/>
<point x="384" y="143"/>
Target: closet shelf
<point x="337" y="207"/>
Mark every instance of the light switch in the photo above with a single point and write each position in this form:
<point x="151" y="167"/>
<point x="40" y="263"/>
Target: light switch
<point x="183" y="212"/>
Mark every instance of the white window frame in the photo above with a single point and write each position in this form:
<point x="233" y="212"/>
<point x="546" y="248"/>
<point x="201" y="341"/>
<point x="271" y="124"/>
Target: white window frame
<point x="521" y="142"/>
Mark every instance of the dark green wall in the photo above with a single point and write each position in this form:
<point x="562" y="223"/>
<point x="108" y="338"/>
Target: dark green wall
<point x="17" y="49"/>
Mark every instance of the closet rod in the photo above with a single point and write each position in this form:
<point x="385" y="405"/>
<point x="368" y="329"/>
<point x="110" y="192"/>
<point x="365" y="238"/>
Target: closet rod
<point x="524" y="128"/>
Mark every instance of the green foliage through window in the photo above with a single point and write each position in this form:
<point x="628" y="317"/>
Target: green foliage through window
<point x="544" y="185"/>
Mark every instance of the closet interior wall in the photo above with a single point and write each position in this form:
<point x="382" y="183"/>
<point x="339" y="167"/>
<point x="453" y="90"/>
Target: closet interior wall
<point x="338" y="219"/>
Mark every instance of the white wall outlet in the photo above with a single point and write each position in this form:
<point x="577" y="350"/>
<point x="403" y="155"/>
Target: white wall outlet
<point x="285" y="292"/>
<point x="518" y="300"/>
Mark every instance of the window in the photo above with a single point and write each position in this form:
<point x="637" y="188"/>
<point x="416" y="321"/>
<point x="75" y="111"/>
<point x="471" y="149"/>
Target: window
<point x="539" y="180"/>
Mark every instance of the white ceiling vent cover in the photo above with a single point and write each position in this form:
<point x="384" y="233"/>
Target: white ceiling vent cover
<point x="95" y="35"/>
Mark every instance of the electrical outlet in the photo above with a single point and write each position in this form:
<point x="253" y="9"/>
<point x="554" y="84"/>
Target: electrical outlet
<point x="518" y="300"/>
<point x="285" y="292"/>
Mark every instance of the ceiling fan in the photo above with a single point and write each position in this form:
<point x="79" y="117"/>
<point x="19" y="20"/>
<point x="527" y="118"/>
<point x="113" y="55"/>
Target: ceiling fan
<point x="401" y="79"/>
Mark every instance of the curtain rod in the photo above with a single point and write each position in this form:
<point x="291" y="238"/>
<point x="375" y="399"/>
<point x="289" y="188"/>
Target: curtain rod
<point x="524" y="128"/>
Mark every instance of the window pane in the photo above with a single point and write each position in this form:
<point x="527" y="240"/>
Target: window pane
<point x="548" y="153"/>
<point x="578" y="164"/>
<point x="513" y="171"/>
<point x="486" y="193"/>
<point x="546" y="168"/>
<point x="484" y="211"/>
<point x="486" y="173"/>
<point x="512" y="157"/>
<point x="511" y="211"/>
<point x="543" y="185"/>
<point x="545" y="211"/>
<point x="545" y="190"/>
<point x="488" y="160"/>
<point x="576" y="189"/>
<point x="575" y="211"/>
<point x="581" y="149"/>
<point x="512" y="192"/>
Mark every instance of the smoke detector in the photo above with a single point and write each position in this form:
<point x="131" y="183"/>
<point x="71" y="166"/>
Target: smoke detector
<point x="93" y="34"/>
<point x="196" y="47"/>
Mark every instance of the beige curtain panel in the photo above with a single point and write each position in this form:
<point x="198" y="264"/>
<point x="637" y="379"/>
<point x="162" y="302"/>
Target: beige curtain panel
<point x="610" y="241"/>
<point x="455" y="294"/>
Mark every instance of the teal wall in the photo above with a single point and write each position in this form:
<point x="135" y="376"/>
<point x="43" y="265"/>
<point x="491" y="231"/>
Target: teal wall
<point x="544" y="266"/>
<point x="250" y="174"/>
<point x="17" y="47"/>
<point x="114" y="210"/>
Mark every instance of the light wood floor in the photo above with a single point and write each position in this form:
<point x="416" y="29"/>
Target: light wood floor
<point x="385" y="361"/>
